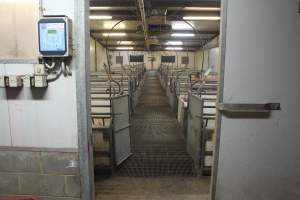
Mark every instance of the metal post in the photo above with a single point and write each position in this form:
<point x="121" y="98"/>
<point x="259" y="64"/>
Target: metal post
<point x="82" y="39"/>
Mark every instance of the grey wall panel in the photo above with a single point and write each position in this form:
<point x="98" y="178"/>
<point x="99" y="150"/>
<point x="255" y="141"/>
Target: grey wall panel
<point x="259" y="157"/>
<point x="194" y="129"/>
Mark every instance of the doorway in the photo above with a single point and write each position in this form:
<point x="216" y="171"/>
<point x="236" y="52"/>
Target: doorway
<point x="232" y="166"/>
<point x="153" y="153"/>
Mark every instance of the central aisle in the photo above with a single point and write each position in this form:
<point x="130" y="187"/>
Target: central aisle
<point x="157" y="142"/>
<point x="160" y="168"/>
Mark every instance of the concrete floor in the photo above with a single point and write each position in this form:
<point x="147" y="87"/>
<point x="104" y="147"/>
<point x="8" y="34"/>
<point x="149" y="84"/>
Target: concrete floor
<point x="164" y="188"/>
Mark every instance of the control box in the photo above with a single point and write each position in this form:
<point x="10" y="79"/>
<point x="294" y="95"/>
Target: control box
<point x="55" y="36"/>
<point x="40" y="81"/>
<point x="2" y="81"/>
<point x="15" y="81"/>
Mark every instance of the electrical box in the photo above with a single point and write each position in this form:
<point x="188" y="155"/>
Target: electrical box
<point x="55" y="35"/>
<point x="40" y="81"/>
<point x="39" y="69"/>
<point x="2" y="81"/>
<point x="15" y="81"/>
<point x="119" y="60"/>
<point x="27" y="81"/>
<point x="185" y="60"/>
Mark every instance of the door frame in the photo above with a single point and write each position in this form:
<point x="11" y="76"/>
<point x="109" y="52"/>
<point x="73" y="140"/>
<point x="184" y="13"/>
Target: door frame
<point x="223" y="30"/>
<point x="83" y="99"/>
<point x="84" y="125"/>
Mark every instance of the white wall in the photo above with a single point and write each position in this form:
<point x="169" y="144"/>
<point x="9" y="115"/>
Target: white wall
<point x="157" y="55"/>
<point x="97" y="55"/>
<point x="101" y="56"/>
<point x="211" y="56"/>
<point x="93" y="57"/>
<point x="40" y="117"/>
<point x="18" y="35"/>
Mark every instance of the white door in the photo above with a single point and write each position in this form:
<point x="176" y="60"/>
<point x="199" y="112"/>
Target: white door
<point x="259" y="153"/>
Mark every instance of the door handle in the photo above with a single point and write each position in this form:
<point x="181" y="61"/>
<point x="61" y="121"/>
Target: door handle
<point x="248" y="108"/>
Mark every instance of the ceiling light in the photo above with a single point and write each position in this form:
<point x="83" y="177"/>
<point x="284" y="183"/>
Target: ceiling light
<point x="125" y="42"/>
<point x="183" y="34"/>
<point x="100" y="8"/>
<point x="124" y="48"/>
<point x="114" y="34"/>
<point x="203" y="8"/>
<point x="110" y="24"/>
<point x="100" y="17"/>
<point x="181" y="26"/>
<point x="202" y="18"/>
<point x="174" y="43"/>
<point x="173" y="48"/>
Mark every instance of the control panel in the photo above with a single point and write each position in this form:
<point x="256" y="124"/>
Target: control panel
<point x="54" y="35"/>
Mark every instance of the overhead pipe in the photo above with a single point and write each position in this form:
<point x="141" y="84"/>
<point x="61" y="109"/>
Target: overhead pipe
<point x="141" y="8"/>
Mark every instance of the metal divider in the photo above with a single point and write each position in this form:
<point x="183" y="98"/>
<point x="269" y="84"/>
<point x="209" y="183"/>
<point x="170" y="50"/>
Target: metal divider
<point x="194" y="129"/>
<point x="200" y="130"/>
<point x="112" y="103"/>
<point x="121" y="128"/>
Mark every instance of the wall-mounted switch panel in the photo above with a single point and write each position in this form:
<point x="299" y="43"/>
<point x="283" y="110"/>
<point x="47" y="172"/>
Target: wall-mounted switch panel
<point x="2" y="81"/>
<point x="15" y="81"/>
<point x="40" y="81"/>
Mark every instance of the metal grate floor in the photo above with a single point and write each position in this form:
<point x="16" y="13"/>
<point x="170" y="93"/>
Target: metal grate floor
<point x="157" y="142"/>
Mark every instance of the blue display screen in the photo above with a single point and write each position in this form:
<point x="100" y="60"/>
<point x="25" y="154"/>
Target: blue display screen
<point x="52" y="37"/>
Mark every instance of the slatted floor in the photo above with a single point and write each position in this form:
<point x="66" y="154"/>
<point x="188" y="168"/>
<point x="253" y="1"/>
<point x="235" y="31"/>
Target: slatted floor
<point x="157" y="142"/>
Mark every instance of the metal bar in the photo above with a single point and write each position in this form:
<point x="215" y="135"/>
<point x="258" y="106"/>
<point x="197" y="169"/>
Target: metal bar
<point x="239" y="107"/>
<point x="100" y="106"/>
<point x="94" y="114"/>
<point x="120" y="129"/>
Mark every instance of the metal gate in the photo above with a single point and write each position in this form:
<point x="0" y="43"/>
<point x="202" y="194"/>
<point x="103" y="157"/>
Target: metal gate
<point x="194" y="129"/>
<point x="121" y="128"/>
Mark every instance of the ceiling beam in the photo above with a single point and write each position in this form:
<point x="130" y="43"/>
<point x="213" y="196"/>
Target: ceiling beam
<point x="156" y="46"/>
<point x="187" y="40"/>
<point x="155" y="3"/>
<point x="135" y="31"/>
<point x="141" y="6"/>
<point x="112" y="3"/>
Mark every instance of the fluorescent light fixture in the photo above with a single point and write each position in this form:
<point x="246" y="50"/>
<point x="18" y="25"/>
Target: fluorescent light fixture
<point x="173" y="48"/>
<point x="183" y="35"/>
<point x="114" y="34"/>
<point x="209" y="18"/>
<point x="174" y="43"/>
<point x="110" y="23"/>
<point x="203" y="8"/>
<point x="124" y="48"/>
<point x="100" y="17"/>
<point x="125" y="42"/>
<point x="181" y="26"/>
<point x="100" y="8"/>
